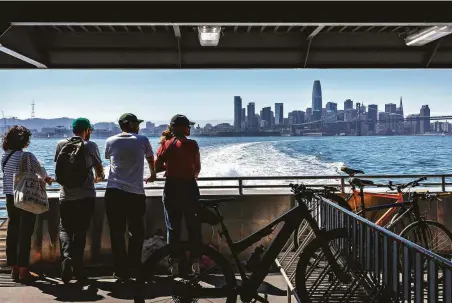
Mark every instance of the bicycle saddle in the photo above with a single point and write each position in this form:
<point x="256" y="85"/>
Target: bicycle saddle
<point x="214" y="202"/>
<point x="350" y="171"/>
<point x="360" y="182"/>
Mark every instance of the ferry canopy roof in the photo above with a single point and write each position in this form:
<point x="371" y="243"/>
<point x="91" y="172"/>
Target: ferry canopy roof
<point x="113" y="36"/>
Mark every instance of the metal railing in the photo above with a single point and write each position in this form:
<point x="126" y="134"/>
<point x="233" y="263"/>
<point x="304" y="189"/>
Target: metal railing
<point x="241" y="182"/>
<point x="392" y="268"/>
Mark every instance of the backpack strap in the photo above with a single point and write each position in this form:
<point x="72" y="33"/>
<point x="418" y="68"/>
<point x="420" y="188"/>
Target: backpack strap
<point x="7" y="159"/>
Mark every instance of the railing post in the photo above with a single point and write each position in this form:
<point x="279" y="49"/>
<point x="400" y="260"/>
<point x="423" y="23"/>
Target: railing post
<point x="240" y="187"/>
<point x="443" y="183"/>
<point x="343" y="185"/>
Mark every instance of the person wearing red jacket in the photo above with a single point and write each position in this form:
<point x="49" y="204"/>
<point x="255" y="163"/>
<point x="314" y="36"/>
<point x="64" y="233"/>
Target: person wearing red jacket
<point x="179" y="157"/>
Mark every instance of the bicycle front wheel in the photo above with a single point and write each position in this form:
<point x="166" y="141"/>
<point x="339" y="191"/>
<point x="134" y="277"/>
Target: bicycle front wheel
<point x="215" y="282"/>
<point x="315" y="278"/>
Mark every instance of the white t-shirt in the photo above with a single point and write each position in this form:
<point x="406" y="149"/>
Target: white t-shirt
<point x="127" y="153"/>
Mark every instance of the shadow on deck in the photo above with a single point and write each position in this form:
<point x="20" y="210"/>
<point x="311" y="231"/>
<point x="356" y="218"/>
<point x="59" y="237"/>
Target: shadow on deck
<point x="106" y="289"/>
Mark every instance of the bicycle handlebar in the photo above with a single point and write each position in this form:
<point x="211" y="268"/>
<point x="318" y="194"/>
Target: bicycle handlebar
<point x="400" y="187"/>
<point x="302" y="189"/>
<point x="432" y="196"/>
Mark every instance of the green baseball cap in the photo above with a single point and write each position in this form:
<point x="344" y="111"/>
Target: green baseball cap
<point x="127" y="118"/>
<point x="81" y="124"/>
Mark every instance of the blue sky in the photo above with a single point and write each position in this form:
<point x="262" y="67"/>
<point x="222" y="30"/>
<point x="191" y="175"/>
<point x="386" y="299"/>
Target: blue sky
<point x="203" y="95"/>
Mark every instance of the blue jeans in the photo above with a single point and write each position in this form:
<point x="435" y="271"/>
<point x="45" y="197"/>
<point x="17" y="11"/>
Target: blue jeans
<point x="180" y="198"/>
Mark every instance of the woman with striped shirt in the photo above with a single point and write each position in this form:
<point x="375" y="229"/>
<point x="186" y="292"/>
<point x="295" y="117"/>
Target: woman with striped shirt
<point x="21" y="223"/>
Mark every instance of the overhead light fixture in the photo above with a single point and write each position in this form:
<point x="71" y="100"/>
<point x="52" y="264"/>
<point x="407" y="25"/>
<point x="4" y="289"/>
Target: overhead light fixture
<point x="209" y="35"/>
<point x="428" y="35"/>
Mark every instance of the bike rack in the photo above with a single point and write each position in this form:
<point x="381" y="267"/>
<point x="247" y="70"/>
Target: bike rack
<point x="389" y="267"/>
<point x="288" y="260"/>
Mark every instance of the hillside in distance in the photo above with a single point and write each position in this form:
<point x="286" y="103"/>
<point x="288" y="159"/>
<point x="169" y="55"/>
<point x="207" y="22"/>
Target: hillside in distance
<point x="38" y="123"/>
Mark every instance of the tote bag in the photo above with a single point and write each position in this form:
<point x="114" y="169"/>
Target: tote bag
<point x="30" y="190"/>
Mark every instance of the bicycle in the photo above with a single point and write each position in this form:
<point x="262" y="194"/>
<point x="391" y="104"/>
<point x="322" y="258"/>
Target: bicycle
<point x="188" y="287"/>
<point x="357" y="197"/>
<point x="407" y="221"/>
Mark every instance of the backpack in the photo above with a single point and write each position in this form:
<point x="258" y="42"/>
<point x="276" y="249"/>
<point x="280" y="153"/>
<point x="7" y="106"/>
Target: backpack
<point x="71" y="170"/>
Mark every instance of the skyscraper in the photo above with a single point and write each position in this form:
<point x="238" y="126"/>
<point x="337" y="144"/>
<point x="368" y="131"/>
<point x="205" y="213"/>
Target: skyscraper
<point x="308" y="116"/>
<point x="400" y="109"/>
<point x="391" y="108"/>
<point x="237" y="112"/>
<point x="348" y="104"/>
<point x="243" y="118"/>
<point x="316" y="101"/>
<point x="373" y="112"/>
<point x="331" y="106"/>
<point x="279" y="113"/>
<point x="267" y="115"/>
<point x="251" y="115"/>
<point x="297" y="116"/>
<point x="425" y="119"/>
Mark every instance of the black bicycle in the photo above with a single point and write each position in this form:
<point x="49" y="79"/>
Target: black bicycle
<point x="217" y="278"/>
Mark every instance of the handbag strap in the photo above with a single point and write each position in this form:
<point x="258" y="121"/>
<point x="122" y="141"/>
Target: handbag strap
<point x="21" y="165"/>
<point x="7" y="159"/>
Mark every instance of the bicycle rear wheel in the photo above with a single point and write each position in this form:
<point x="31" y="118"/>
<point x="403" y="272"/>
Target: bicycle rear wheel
<point x="216" y="280"/>
<point x="430" y="235"/>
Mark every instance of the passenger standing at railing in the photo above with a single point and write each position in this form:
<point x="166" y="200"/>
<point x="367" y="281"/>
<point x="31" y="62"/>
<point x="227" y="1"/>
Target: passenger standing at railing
<point x="21" y="223"/>
<point x="125" y="200"/>
<point x="77" y="195"/>
<point x="179" y="158"/>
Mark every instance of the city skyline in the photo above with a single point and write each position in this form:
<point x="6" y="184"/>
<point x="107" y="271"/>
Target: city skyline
<point x="206" y="95"/>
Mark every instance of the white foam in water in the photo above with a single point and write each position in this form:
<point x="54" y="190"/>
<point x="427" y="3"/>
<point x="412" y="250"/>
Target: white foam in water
<point x="262" y="159"/>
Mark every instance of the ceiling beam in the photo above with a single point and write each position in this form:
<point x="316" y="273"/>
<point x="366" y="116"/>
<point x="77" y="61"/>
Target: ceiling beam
<point x="4" y="27"/>
<point x="21" y="57"/>
<point x="178" y="35"/>
<point x="231" y="24"/>
<point x="431" y="54"/>
<point x="401" y="51"/>
<point x="176" y="29"/>
<point x="307" y="53"/>
<point x="285" y="11"/>
<point x="316" y="31"/>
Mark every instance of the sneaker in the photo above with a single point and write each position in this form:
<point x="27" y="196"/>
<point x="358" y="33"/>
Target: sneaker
<point x="121" y="276"/>
<point x="66" y="270"/>
<point x="26" y="276"/>
<point x="174" y="269"/>
<point x="196" y="267"/>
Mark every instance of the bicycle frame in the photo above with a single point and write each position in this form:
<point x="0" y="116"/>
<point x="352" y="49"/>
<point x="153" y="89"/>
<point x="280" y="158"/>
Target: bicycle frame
<point x="291" y="220"/>
<point x="385" y="218"/>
